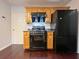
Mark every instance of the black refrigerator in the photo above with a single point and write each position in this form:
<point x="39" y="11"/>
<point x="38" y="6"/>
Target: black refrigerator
<point x="65" y="35"/>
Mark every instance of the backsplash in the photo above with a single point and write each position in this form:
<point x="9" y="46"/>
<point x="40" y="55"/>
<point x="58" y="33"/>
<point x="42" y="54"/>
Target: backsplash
<point x="29" y="26"/>
<point x="38" y="24"/>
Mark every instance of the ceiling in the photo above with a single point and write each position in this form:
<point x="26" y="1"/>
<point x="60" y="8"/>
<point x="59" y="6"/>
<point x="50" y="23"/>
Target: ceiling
<point x="38" y="2"/>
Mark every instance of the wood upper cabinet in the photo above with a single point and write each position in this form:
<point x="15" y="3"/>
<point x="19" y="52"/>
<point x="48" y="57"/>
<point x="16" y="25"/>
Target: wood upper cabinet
<point x="26" y="40"/>
<point x="47" y="10"/>
<point x="50" y="40"/>
<point x="28" y="18"/>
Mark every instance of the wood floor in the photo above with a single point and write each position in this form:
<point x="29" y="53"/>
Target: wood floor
<point x="17" y="52"/>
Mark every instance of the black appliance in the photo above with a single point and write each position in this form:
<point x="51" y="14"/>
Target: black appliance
<point x="38" y="38"/>
<point x="66" y="30"/>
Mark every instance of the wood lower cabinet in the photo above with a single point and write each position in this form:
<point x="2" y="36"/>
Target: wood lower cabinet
<point x="50" y="40"/>
<point x="26" y="40"/>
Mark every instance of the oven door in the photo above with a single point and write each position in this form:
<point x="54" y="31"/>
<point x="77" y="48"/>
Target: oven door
<point x="38" y="42"/>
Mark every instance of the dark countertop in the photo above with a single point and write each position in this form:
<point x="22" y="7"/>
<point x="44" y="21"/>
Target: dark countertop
<point x="52" y="30"/>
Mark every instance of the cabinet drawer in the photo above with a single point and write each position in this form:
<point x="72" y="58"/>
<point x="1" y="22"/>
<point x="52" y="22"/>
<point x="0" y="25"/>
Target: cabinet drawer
<point x="50" y="33"/>
<point x="26" y="33"/>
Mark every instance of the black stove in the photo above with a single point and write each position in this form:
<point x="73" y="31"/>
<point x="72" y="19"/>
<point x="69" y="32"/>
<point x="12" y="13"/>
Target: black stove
<point x="38" y="38"/>
<point x="38" y="30"/>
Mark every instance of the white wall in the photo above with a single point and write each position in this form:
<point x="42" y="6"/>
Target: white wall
<point x="74" y="4"/>
<point x="18" y="24"/>
<point x="5" y="26"/>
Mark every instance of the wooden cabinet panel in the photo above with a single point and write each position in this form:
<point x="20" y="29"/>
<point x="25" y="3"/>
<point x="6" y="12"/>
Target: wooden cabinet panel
<point x="50" y="40"/>
<point x="26" y="40"/>
<point x="48" y="11"/>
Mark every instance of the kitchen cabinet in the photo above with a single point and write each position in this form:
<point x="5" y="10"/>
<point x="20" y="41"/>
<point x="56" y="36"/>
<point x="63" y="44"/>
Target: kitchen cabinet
<point x="47" y="10"/>
<point x="26" y="39"/>
<point x="28" y="18"/>
<point x="49" y="40"/>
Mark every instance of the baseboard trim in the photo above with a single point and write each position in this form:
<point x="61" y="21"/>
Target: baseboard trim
<point x="5" y="47"/>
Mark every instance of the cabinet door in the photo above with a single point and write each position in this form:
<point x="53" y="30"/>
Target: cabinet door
<point x="49" y="40"/>
<point x="26" y="40"/>
<point x="48" y="17"/>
